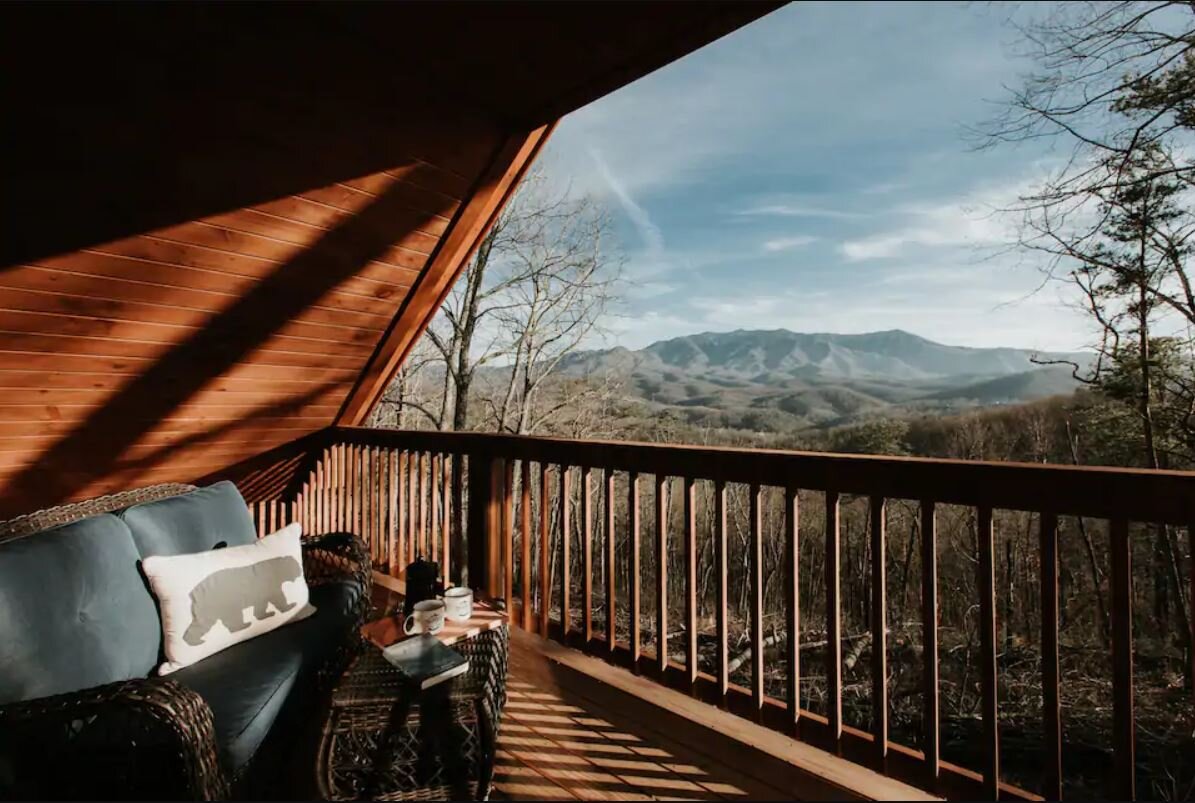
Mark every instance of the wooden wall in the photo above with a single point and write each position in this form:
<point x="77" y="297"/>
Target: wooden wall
<point x="224" y="224"/>
<point x="170" y="354"/>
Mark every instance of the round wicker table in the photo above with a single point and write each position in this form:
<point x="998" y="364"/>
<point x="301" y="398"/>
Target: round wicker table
<point x="386" y="740"/>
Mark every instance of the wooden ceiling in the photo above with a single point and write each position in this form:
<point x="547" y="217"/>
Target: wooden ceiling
<point x="225" y="224"/>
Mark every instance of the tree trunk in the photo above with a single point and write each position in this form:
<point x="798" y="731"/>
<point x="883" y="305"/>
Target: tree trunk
<point x="460" y="410"/>
<point x="1093" y="565"/>
<point x="743" y="657"/>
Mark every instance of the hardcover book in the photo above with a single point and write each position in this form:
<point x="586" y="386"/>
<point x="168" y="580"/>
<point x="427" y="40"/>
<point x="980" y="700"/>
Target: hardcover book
<point x="424" y="660"/>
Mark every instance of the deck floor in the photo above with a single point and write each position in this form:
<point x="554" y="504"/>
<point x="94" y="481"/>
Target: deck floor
<point x="557" y="742"/>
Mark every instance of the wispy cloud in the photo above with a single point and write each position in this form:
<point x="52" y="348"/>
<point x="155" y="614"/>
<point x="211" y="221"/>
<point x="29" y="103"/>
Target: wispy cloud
<point x="653" y="238"/>
<point x="972" y="219"/>
<point x="644" y="290"/>
<point x="746" y="311"/>
<point x="933" y="233"/>
<point x="884" y="188"/>
<point x="799" y="210"/>
<point x="938" y="277"/>
<point x="788" y="243"/>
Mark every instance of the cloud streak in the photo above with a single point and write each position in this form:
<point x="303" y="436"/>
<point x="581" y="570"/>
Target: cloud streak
<point x="779" y="244"/>
<point x="649" y="232"/>
<point x="971" y="219"/>
<point x="798" y="210"/>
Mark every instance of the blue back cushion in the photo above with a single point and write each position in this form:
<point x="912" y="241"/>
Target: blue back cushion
<point x="193" y="522"/>
<point x="74" y="610"/>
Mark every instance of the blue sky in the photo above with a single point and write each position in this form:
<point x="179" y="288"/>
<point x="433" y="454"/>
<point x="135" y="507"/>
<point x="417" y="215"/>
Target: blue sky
<point x="811" y="171"/>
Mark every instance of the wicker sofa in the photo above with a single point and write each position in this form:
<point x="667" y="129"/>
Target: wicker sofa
<point x="81" y="714"/>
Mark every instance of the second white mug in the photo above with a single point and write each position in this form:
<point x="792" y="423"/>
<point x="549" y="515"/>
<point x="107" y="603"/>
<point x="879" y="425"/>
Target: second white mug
<point x="458" y="601"/>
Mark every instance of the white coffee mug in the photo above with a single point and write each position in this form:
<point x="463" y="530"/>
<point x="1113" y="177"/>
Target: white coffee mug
<point x="459" y="603"/>
<point x="425" y="617"/>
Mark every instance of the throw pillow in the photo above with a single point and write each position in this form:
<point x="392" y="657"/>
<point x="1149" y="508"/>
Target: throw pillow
<point x="212" y="600"/>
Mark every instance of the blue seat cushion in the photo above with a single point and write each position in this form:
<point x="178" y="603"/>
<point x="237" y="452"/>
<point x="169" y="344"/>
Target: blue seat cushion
<point x="192" y="522"/>
<point x="249" y="685"/>
<point x="74" y="610"/>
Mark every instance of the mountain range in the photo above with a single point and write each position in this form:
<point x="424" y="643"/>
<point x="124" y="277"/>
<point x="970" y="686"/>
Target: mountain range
<point x="781" y="379"/>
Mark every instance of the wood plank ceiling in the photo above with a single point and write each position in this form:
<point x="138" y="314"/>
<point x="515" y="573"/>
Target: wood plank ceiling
<point x="224" y="225"/>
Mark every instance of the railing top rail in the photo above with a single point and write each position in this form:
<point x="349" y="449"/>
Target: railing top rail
<point x="1103" y="492"/>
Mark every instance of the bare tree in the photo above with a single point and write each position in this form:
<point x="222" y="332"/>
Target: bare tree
<point x="405" y="401"/>
<point x="569" y="281"/>
<point x="462" y="334"/>
<point x="537" y="288"/>
<point x="1112" y="78"/>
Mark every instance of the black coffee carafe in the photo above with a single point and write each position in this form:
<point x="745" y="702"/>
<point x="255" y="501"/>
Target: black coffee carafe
<point x="423" y="582"/>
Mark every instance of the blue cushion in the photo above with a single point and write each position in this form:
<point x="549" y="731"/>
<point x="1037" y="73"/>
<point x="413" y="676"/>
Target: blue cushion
<point x="74" y="610"/>
<point x="190" y="523"/>
<point x="246" y="687"/>
<point x="249" y="685"/>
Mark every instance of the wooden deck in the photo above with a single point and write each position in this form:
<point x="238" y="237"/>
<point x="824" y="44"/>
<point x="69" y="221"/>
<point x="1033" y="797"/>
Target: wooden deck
<point x="577" y="728"/>
<point x="558" y="742"/>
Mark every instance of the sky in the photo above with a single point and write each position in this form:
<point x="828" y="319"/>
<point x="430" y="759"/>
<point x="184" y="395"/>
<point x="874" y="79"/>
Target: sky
<point x="812" y="171"/>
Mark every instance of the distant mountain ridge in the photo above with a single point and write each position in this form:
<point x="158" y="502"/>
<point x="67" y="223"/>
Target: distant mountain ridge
<point x="790" y="379"/>
<point x="892" y="355"/>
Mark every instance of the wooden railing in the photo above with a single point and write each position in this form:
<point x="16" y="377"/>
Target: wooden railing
<point x="554" y="530"/>
<point x="403" y="502"/>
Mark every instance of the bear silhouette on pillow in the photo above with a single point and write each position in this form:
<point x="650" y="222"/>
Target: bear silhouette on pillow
<point x="223" y="595"/>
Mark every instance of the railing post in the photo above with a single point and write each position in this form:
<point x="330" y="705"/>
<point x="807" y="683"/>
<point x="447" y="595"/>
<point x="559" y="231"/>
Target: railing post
<point x="986" y="584"/>
<point x="525" y="538"/>
<point x="755" y="527"/>
<point x="720" y="576"/>
<point x="1124" y="755"/>
<point x="1051" y="708"/>
<point x="587" y="551"/>
<point x="545" y="551"/>
<point x="505" y="577"/>
<point x="457" y="536"/>
<point x="633" y="565"/>
<point x="833" y="622"/>
<point x="929" y="642"/>
<point x="879" y="631"/>
<point x="1191" y="613"/>
<point x="792" y="606"/>
<point x="487" y="494"/>
<point x="565" y="559"/>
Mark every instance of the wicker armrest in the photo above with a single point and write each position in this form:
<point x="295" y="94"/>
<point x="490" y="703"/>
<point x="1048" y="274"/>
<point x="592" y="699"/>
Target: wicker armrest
<point x="336" y="556"/>
<point x="134" y="739"/>
<point x="339" y="557"/>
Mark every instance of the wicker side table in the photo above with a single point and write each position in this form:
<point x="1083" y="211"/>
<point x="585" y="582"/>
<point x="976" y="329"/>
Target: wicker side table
<point x="384" y="740"/>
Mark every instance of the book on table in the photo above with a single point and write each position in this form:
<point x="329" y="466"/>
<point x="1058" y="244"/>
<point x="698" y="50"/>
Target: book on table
<point x="424" y="660"/>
